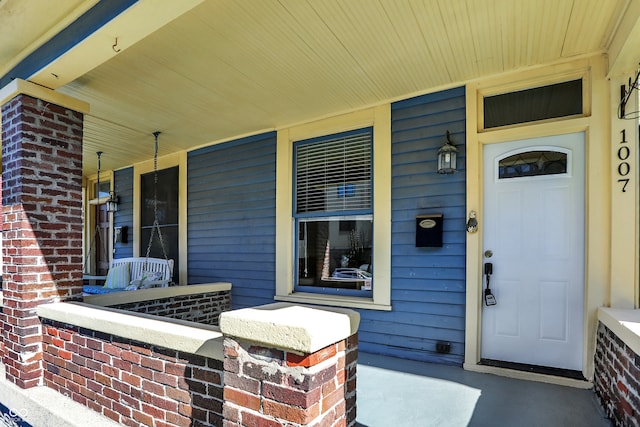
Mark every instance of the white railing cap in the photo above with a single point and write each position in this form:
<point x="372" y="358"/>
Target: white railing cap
<point x="301" y="328"/>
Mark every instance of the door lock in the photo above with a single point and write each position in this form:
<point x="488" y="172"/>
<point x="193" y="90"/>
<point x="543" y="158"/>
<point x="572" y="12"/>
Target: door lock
<point x="489" y="298"/>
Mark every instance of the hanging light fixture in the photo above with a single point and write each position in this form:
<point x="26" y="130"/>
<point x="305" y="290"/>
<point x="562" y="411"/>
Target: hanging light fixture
<point x="111" y="202"/>
<point x="447" y="157"/>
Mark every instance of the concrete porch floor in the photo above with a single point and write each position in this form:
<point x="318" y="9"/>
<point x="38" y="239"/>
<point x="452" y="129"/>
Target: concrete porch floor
<point x="391" y="392"/>
<point x="405" y="393"/>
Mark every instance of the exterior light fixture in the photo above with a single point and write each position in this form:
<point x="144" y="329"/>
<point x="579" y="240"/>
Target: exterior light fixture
<point x="447" y="157"/>
<point x="112" y="202"/>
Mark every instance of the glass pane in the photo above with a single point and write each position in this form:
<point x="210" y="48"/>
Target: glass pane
<point x="170" y="240"/>
<point x="532" y="163"/>
<point x="167" y="197"/>
<point x="167" y="193"/>
<point x="546" y="102"/>
<point x="335" y="253"/>
<point x="103" y="189"/>
<point x="334" y="173"/>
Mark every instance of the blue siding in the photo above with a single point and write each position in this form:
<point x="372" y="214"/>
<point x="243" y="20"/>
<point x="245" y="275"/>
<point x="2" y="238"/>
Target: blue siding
<point x="231" y="227"/>
<point x="231" y="217"/>
<point x="123" y="186"/>
<point x="428" y="284"/>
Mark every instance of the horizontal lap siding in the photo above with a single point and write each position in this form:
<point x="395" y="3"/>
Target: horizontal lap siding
<point x="123" y="187"/>
<point x="231" y="217"/>
<point x="427" y="284"/>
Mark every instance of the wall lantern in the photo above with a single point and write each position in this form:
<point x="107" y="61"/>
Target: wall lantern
<point x="112" y="202"/>
<point x="447" y="157"/>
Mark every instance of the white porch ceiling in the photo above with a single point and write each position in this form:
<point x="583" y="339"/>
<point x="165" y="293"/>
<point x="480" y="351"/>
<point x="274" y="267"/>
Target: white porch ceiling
<point x="235" y="67"/>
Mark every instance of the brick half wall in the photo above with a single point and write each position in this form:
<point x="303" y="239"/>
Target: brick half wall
<point x="201" y="303"/>
<point x="130" y="382"/>
<point x="202" y="308"/>
<point x="272" y="387"/>
<point x="617" y="378"/>
<point x="141" y="370"/>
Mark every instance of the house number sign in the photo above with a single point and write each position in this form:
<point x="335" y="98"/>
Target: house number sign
<point x="624" y="168"/>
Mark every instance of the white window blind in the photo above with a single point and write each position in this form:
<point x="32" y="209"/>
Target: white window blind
<point x="334" y="174"/>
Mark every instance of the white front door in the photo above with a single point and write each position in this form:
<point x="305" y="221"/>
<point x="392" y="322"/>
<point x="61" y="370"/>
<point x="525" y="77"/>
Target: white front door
<point x="534" y="238"/>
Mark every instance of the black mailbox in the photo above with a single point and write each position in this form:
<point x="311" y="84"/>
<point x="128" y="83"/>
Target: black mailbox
<point x="429" y="231"/>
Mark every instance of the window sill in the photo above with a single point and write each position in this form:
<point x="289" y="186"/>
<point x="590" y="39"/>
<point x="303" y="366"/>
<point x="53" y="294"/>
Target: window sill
<point x="333" y="300"/>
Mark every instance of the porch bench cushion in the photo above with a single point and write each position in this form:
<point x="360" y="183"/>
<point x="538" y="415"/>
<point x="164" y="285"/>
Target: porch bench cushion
<point x="118" y="277"/>
<point x="141" y="272"/>
<point x="98" y="289"/>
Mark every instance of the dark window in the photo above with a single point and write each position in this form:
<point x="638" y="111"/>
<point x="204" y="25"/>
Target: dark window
<point x="333" y="212"/>
<point x="546" y="102"/>
<point x="166" y="213"/>
<point x="532" y="163"/>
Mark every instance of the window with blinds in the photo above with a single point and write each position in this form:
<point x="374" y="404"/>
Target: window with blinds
<point x="333" y="213"/>
<point x="334" y="174"/>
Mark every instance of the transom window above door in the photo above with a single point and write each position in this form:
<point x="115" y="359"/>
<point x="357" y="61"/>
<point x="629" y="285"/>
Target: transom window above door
<point x="554" y="101"/>
<point x="533" y="163"/>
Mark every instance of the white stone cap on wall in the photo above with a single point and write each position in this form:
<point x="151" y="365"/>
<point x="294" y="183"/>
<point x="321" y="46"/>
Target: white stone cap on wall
<point x="624" y="323"/>
<point x="125" y="297"/>
<point x="181" y="335"/>
<point x="301" y="328"/>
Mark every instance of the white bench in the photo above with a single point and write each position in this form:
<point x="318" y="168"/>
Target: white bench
<point x="139" y="265"/>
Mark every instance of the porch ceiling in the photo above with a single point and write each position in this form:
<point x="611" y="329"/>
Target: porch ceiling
<point x="232" y="67"/>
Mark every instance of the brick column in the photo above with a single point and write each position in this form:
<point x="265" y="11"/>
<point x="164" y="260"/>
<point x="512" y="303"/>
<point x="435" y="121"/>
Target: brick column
<point x="617" y="373"/>
<point x="279" y="369"/>
<point x="42" y="219"/>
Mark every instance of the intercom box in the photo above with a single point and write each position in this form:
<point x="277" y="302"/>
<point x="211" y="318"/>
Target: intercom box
<point x="429" y="231"/>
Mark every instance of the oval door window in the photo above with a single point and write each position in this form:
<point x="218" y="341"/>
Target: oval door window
<point x="533" y="163"/>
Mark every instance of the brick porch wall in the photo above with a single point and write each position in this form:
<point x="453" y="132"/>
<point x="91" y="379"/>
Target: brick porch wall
<point x="130" y="382"/>
<point x="617" y="378"/>
<point x="275" y="388"/>
<point x="202" y="308"/>
<point x="42" y="224"/>
<point x="209" y="377"/>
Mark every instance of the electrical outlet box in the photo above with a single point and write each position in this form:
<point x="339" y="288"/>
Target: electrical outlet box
<point x="443" y="347"/>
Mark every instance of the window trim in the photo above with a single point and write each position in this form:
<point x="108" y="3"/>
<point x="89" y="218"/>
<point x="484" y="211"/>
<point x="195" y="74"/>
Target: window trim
<point x="379" y="118"/>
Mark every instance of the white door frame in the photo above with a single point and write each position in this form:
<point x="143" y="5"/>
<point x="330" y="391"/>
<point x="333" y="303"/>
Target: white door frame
<point x="475" y="256"/>
<point x="564" y="269"/>
<point x="600" y="106"/>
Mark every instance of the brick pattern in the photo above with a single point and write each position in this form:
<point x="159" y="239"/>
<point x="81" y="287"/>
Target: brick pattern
<point x="273" y="388"/>
<point x="132" y="383"/>
<point x="617" y="378"/>
<point x="201" y="308"/>
<point x="42" y="224"/>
